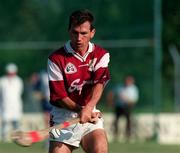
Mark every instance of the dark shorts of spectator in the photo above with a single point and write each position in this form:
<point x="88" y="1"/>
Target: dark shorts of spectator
<point x="122" y="111"/>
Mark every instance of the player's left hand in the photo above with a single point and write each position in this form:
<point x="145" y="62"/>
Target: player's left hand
<point x="87" y="115"/>
<point x="95" y="116"/>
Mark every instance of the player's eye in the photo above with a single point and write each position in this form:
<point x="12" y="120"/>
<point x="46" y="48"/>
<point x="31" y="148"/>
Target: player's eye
<point x="83" y="33"/>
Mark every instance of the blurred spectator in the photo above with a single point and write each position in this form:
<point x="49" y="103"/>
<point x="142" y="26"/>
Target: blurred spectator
<point x="45" y="96"/>
<point x="123" y="98"/>
<point x="40" y="89"/>
<point x="11" y="89"/>
<point x="31" y="98"/>
<point x="40" y="92"/>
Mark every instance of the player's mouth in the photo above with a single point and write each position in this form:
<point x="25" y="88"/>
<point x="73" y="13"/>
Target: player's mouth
<point x="78" y="44"/>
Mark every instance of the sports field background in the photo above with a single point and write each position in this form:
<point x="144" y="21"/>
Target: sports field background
<point x="148" y="147"/>
<point x="31" y="30"/>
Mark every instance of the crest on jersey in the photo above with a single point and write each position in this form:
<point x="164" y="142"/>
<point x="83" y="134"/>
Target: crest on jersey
<point x="70" y="68"/>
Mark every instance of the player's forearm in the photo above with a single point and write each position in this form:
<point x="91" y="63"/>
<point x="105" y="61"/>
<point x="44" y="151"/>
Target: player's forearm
<point x="67" y="103"/>
<point x="96" y="95"/>
<point x="87" y="114"/>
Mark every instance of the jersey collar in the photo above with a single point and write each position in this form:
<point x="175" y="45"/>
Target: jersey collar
<point x="69" y="49"/>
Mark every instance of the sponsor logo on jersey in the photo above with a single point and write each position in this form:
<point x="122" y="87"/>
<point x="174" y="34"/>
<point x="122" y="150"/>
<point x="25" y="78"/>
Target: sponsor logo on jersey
<point x="76" y="85"/>
<point x="70" y="68"/>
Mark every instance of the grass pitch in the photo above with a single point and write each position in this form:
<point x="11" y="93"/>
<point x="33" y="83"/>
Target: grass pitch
<point x="148" y="147"/>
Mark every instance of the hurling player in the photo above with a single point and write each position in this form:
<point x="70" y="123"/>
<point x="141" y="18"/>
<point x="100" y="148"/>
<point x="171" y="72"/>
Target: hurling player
<point x="78" y="73"/>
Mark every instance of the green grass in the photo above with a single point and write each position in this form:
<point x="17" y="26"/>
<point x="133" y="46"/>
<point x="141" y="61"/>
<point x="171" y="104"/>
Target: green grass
<point x="147" y="147"/>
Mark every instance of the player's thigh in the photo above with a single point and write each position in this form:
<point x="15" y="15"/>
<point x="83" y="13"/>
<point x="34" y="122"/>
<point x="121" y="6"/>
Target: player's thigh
<point x="95" y="142"/>
<point x="58" y="147"/>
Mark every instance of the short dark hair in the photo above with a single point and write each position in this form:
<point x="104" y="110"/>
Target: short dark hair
<point x="79" y="17"/>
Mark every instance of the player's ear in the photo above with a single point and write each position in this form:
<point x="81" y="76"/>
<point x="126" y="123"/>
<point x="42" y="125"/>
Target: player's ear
<point x="93" y="33"/>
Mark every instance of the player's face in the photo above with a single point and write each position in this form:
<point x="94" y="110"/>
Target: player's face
<point x="80" y="37"/>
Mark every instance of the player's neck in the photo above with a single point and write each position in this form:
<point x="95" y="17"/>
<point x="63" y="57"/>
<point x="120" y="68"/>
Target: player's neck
<point x="81" y="50"/>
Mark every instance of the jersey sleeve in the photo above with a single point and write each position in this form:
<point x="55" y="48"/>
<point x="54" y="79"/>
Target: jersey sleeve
<point x="56" y="82"/>
<point x="101" y="71"/>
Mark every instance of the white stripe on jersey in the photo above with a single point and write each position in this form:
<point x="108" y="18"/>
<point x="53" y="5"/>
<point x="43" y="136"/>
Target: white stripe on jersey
<point x="103" y="62"/>
<point x="54" y="72"/>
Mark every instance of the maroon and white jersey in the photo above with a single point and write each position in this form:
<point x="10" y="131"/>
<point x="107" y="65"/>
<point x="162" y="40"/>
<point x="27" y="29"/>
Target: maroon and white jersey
<point x="73" y="76"/>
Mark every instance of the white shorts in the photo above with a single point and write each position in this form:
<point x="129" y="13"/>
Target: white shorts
<point x="73" y="134"/>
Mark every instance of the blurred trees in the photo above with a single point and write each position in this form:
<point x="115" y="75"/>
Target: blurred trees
<point x="171" y="33"/>
<point x="44" y="20"/>
<point x="38" y="20"/>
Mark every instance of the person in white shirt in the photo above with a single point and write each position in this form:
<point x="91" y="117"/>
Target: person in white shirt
<point x="123" y="98"/>
<point x="11" y="89"/>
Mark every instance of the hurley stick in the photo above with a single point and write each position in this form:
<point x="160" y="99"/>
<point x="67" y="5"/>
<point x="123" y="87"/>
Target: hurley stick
<point x="26" y="139"/>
